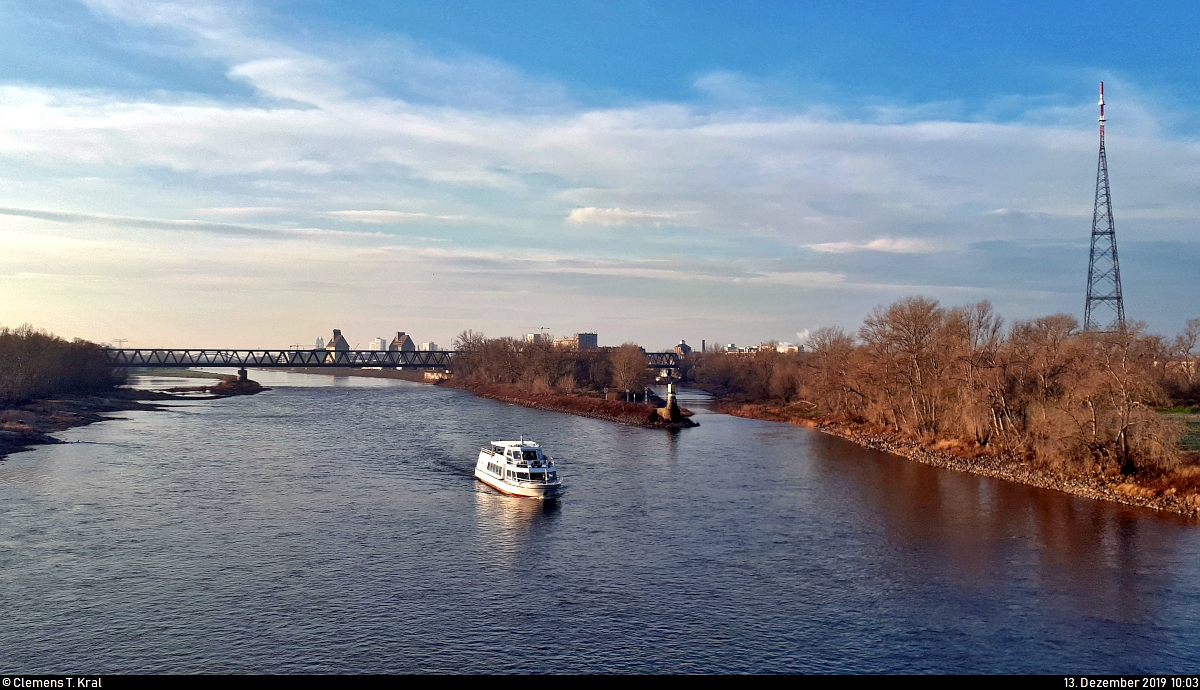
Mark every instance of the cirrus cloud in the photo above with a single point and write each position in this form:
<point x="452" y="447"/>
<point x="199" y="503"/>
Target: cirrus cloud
<point x="591" y="215"/>
<point x="888" y="245"/>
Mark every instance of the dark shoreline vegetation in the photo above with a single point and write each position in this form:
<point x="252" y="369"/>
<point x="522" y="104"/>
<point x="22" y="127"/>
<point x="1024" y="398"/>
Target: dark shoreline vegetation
<point x="603" y="383"/>
<point x="49" y="384"/>
<point x="630" y="413"/>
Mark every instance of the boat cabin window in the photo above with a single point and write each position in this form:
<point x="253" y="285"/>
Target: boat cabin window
<point x="530" y="454"/>
<point x="498" y="449"/>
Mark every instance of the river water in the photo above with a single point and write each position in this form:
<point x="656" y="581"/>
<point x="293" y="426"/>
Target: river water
<point x="333" y="525"/>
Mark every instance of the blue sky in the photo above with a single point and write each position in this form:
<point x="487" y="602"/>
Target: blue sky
<point x="236" y="173"/>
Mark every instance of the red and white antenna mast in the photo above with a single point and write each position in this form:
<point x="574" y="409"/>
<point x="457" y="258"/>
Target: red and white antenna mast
<point x="1104" y="309"/>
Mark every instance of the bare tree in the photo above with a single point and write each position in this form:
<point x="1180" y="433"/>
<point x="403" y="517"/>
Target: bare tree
<point x="1184" y="348"/>
<point x="906" y="341"/>
<point x="832" y="383"/>
<point x="628" y="364"/>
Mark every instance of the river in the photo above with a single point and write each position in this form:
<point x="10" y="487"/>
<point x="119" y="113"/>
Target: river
<point x="333" y="525"/>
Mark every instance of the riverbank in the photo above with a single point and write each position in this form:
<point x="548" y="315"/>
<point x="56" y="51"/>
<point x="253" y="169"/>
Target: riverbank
<point x="632" y="414"/>
<point x="1164" y="494"/>
<point x="31" y="424"/>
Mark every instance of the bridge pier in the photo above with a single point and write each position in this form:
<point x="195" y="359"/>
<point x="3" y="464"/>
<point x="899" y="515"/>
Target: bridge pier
<point x="242" y="375"/>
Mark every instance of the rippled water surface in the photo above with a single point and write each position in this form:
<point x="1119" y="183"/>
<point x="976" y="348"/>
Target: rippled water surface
<point x="333" y="525"/>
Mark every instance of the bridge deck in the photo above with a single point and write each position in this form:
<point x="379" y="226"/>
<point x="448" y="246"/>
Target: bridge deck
<point x="260" y="359"/>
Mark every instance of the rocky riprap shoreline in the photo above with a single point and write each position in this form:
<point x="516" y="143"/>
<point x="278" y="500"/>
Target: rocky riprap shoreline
<point x="1098" y="487"/>
<point x="632" y="414"/>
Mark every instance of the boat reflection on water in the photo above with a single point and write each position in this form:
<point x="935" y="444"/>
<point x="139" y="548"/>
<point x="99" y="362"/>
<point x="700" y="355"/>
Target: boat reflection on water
<point x="508" y="525"/>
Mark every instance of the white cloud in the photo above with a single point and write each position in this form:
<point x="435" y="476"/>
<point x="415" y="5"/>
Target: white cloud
<point x="494" y="161"/>
<point x="591" y="215"/>
<point x="889" y="245"/>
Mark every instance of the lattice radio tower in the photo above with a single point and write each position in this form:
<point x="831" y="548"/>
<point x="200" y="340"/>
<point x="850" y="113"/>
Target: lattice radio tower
<point x="1104" y="273"/>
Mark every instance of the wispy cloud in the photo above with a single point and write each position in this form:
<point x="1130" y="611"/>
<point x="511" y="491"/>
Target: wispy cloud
<point x="591" y="215"/>
<point x="369" y="216"/>
<point x="134" y="222"/>
<point x="383" y="216"/>
<point x="889" y="245"/>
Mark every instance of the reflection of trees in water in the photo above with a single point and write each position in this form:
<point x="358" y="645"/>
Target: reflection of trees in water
<point x="510" y="527"/>
<point x="1109" y="562"/>
<point x="999" y="539"/>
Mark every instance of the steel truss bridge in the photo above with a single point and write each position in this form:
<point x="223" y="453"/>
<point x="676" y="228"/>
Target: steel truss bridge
<point x="286" y="359"/>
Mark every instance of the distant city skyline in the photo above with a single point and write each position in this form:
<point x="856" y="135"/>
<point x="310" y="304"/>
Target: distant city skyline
<point x="244" y="174"/>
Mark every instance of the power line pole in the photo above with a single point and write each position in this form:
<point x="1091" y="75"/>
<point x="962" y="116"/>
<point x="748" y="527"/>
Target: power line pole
<point x="1105" y="308"/>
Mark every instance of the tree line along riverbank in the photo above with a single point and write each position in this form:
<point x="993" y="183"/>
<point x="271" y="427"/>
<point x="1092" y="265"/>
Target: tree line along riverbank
<point x="50" y="384"/>
<point x="654" y="413"/>
<point x="1038" y="401"/>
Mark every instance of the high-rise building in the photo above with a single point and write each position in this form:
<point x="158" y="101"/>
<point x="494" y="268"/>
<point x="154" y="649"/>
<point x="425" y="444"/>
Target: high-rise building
<point x="337" y="342"/>
<point x="578" y="341"/>
<point x="402" y="343"/>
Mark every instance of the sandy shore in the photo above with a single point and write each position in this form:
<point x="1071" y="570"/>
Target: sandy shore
<point x="1102" y="488"/>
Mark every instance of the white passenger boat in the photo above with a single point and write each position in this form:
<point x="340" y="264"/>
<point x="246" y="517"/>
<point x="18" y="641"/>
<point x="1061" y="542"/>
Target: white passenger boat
<point x="519" y="468"/>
